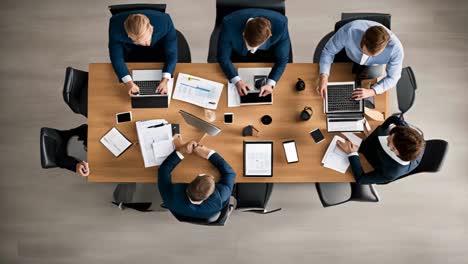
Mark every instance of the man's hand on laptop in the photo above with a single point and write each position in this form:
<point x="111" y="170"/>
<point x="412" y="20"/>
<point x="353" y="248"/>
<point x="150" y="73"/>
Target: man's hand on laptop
<point x="322" y="87"/>
<point x="361" y="93"/>
<point x="242" y="88"/>
<point x="162" y="87"/>
<point x="133" y="89"/>
<point x="265" y="90"/>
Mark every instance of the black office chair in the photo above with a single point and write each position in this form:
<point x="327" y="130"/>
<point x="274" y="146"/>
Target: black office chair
<point x="334" y="193"/>
<point x="123" y="197"/>
<point x="226" y="7"/>
<point x="384" y="19"/>
<point x="254" y="197"/>
<point x="432" y="160"/>
<point x="219" y="219"/>
<point x="75" y="90"/>
<point x="54" y="144"/>
<point x="406" y="90"/>
<point x="141" y="54"/>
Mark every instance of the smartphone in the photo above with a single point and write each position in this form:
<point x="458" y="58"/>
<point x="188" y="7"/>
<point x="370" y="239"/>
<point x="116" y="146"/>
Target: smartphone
<point x="290" y="151"/>
<point x="123" y="117"/>
<point x="317" y="135"/>
<point x="228" y="118"/>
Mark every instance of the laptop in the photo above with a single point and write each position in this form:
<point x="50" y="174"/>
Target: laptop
<point x="148" y="80"/>
<point x="343" y="113"/>
<point x="252" y="97"/>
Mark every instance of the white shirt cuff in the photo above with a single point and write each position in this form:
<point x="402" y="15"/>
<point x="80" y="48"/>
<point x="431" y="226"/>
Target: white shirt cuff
<point x="353" y="154"/>
<point x="211" y="153"/>
<point x="180" y="155"/>
<point x="271" y="82"/>
<point x="235" y="79"/>
<point x="166" y="75"/>
<point x="126" y="78"/>
<point x="378" y="89"/>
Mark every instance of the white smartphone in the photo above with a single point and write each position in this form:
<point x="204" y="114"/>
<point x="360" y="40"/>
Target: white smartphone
<point x="290" y="151"/>
<point x="123" y="117"/>
<point x="228" y="118"/>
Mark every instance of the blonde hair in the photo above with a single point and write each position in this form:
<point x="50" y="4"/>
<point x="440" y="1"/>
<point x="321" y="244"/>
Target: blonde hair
<point x="136" y="25"/>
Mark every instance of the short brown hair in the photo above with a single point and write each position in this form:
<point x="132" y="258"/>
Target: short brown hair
<point x="136" y="25"/>
<point x="375" y="39"/>
<point x="409" y="142"/>
<point x="256" y="31"/>
<point x="201" y="188"/>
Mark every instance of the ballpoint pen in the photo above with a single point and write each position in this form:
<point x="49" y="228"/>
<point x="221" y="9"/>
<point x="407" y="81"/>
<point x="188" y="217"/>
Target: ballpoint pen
<point x="158" y="125"/>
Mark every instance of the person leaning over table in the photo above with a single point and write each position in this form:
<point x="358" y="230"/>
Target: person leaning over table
<point x="255" y="31"/>
<point x="147" y="28"/>
<point x="202" y="198"/>
<point x="366" y="43"/>
<point x="394" y="149"/>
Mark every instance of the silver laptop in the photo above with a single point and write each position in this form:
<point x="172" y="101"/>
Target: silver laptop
<point x="148" y="80"/>
<point x="199" y="123"/>
<point x="344" y="114"/>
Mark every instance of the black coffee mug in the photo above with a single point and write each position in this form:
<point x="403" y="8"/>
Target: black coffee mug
<point x="306" y="114"/>
<point x="266" y="119"/>
<point x="300" y="85"/>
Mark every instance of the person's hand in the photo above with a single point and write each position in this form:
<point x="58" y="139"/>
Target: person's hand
<point x="82" y="168"/>
<point x="265" y="90"/>
<point x="322" y="87"/>
<point x="347" y="146"/>
<point x="133" y="89"/>
<point x="202" y="151"/>
<point x="242" y="88"/>
<point x="162" y="87"/>
<point x="361" y="93"/>
<point x="190" y="147"/>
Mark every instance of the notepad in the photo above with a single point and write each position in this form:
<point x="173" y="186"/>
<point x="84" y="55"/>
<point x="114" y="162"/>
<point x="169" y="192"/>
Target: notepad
<point x="162" y="149"/>
<point x="335" y="158"/>
<point x="115" y="142"/>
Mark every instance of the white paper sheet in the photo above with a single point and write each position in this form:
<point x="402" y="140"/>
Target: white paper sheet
<point x="198" y="91"/>
<point x="148" y="135"/>
<point x="335" y="158"/>
<point x="353" y="138"/>
<point x="115" y="142"/>
<point x="247" y="75"/>
<point x="162" y="149"/>
<point x="258" y="159"/>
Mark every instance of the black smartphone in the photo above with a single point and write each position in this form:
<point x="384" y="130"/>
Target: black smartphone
<point x="228" y="118"/>
<point x="259" y="81"/>
<point x="317" y="135"/>
<point x="123" y="117"/>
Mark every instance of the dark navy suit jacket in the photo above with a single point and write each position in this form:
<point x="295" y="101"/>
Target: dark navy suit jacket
<point x="164" y="33"/>
<point x="231" y="40"/>
<point x="386" y="169"/>
<point x="174" y="195"/>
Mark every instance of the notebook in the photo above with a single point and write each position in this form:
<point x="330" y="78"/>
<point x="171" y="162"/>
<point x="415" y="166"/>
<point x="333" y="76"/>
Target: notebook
<point x="115" y="142"/>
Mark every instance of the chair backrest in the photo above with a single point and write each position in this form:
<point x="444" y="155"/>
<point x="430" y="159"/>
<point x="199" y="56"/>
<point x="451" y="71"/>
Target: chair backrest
<point x="50" y="142"/>
<point x="116" y="9"/>
<point x="406" y="90"/>
<point x="253" y="195"/>
<point x="364" y="193"/>
<point x="218" y="219"/>
<point x="333" y="193"/>
<point x="75" y="90"/>
<point x="225" y="7"/>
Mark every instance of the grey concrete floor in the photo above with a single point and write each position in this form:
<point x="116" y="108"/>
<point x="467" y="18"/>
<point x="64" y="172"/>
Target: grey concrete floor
<point x="54" y="216"/>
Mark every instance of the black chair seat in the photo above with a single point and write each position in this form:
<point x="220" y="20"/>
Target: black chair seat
<point x="335" y="193"/>
<point x="254" y="197"/>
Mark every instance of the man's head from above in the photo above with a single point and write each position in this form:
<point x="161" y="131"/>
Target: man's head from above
<point x="200" y="188"/>
<point x="375" y="40"/>
<point x="257" y="31"/>
<point x="407" y="143"/>
<point x="139" y="29"/>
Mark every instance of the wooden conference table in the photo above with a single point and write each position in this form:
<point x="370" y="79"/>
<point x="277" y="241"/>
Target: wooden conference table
<point x="106" y="97"/>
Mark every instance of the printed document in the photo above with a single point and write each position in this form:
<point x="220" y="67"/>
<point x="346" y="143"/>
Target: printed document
<point x="198" y="91"/>
<point x="335" y="158"/>
<point x="150" y="132"/>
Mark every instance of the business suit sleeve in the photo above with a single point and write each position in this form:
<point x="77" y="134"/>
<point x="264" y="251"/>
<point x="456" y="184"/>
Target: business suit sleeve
<point x="365" y="178"/>
<point x="395" y="120"/>
<point x="281" y="53"/>
<point x="170" y="48"/>
<point x="228" y="176"/>
<point x="393" y="69"/>
<point x="225" y="51"/>
<point x="164" y="176"/>
<point x="334" y="45"/>
<point x="116" y="53"/>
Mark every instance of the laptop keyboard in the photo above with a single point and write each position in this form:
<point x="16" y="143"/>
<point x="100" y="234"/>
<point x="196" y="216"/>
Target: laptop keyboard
<point x="339" y="98"/>
<point x="147" y="87"/>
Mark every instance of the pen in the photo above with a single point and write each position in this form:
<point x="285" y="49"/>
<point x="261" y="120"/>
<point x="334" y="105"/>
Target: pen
<point x="159" y="125"/>
<point x="212" y="103"/>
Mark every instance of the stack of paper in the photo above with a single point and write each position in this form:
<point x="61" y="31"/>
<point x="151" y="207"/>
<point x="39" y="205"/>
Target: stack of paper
<point x="198" y="91"/>
<point x="154" y="134"/>
<point x="247" y="75"/>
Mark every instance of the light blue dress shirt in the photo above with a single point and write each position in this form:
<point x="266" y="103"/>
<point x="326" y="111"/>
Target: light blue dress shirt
<point x="349" y="37"/>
